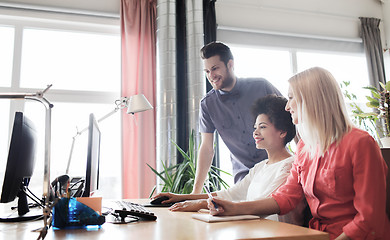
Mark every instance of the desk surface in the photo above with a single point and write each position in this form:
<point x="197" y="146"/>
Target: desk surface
<point x="170" y="225"/>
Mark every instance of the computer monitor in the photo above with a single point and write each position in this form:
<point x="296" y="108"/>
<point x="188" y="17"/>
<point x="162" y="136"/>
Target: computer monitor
<point x="19" y="168"/>
<point x="93" y="157"/>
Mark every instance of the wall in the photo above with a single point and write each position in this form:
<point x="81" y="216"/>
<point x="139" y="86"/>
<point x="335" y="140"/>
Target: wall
<point x="386" y="22"/>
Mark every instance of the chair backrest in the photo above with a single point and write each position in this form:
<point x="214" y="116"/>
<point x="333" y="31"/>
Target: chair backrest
<point x="386" y="156"/>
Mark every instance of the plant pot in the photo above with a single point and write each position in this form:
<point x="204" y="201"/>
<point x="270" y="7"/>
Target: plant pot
<point x="386" y="157"/>
<point x="385" y="142"/>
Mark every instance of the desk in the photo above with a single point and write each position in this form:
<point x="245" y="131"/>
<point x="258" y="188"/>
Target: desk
<point x="170" y="225"/>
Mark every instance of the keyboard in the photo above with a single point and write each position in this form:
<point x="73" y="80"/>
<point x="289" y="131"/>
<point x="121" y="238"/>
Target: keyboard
<point x="125" y="208"/>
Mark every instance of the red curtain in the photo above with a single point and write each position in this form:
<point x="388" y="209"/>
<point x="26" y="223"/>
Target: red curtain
<point x="138" y="32"/>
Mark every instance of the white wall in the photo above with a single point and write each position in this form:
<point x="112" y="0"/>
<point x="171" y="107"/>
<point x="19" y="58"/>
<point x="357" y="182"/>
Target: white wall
<point x="331" y="18"/>
<point x="386" y="22"/>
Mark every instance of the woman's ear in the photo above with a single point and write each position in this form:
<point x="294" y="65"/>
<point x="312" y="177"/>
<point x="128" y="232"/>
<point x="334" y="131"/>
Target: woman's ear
<point x="283" y="134"/>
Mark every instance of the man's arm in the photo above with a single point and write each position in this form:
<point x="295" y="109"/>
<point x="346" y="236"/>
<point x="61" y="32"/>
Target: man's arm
<point x="205" y="157"/>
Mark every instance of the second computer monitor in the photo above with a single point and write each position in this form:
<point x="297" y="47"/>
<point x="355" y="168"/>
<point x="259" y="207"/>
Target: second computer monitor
<point x="93" y="157"/>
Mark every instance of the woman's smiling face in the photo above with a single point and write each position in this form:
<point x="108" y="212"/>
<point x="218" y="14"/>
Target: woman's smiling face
<point x="265" y="134"/>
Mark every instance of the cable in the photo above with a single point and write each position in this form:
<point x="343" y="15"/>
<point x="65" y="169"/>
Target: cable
<point x="79" y="181"/>
<point x="37" y="200"/>
<point x="41" y="200"/>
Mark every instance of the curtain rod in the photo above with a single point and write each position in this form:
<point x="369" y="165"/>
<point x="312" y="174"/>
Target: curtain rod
<point x="19" y="6"/>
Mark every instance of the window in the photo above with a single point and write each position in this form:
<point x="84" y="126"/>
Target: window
<point x="344" y="67"/>
<point x="81" y="59"/>
<point x="273" y="65"/>
<point x="6" y="56"/>
<point x="70" y="60"/>
<point x="277" y="66"/>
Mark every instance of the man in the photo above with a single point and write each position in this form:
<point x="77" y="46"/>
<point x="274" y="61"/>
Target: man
<point x="226" y="108"/>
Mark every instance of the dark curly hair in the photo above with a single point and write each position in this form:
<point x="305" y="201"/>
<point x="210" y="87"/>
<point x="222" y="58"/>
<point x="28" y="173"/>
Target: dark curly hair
<point x="216" y="48"/>
<point x="274" y="107"/>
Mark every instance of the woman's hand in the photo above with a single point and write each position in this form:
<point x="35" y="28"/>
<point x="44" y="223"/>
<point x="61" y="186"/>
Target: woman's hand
<point x="343" y="237"/>
<point x="222" y="207"/>
<point x="172" y="198"/>
<point x="189" y="206"/>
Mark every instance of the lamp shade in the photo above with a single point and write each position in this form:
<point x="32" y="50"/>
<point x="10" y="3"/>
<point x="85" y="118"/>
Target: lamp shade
<point x="138" y="103"/>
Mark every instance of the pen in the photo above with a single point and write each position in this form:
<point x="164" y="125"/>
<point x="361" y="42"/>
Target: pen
<point x="210" y="196"/>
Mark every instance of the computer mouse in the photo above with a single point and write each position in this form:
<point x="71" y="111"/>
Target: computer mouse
<point x="158" y="200"/>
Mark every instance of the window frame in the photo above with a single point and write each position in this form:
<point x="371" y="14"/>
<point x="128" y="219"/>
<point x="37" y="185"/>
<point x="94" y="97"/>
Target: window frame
<point x="293" y="43"/>
<point x="37" y="19"/>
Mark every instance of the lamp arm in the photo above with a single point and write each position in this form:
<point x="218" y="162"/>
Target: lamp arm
<point x="38" y="96"/>
<point x="70" y="155"/>
<point x="17" y="95"/>
<point x="108" y="114"/>
<point x="46" y="176"/>
<point x="119" y="106"/>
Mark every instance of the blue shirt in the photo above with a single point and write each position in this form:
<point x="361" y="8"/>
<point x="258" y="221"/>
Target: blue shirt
<point x="230" y="114"/>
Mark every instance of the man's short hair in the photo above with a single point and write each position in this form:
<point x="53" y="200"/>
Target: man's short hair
<point x="216" y="48"/>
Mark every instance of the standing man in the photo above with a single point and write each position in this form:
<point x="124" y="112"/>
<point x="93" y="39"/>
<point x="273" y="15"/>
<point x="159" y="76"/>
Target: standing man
<point x="227" y="109"/>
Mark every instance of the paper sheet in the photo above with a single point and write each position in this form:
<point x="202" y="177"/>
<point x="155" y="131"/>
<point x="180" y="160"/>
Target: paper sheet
<point x="209" y="218"/>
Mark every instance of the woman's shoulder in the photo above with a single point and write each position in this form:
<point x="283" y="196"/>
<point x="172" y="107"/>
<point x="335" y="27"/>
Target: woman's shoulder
<point x="356" y="136"/>
<point x="284" y="164"/>
<point x="355" y="141"/>
<point x="288" y="161"/>
<point x="260" y="164"/>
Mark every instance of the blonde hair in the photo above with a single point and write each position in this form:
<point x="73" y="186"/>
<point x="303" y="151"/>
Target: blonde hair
<point x="322" y="114"/>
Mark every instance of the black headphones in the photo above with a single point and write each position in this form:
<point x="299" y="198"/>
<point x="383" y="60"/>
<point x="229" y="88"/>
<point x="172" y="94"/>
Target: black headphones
<point x="61" y="179"/>
<point x="59" y="184"/>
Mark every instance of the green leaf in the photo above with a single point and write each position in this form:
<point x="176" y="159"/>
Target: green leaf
<point x="157" y="173"/>
<point x="365" y="115"/>
<point x="371" y="88"/>
<point x="370" y="99"/>
<point x="375" y="94"/>
<point x="184" y="154"/>
<point x="153" y="190"/>
<point x="382" y="85"/>
<point x="374" y="104"/>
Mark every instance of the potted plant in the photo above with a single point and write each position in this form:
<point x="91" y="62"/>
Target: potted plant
<point x="363" y="120"/>
<point x="378" y="120"/>
<point x="180" y="178"/>
<point x="380" y="101"/>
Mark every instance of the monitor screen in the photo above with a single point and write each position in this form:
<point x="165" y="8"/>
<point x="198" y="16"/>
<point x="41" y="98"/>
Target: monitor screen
<point x="93" y="157"/>
<point x="20" y="166"/>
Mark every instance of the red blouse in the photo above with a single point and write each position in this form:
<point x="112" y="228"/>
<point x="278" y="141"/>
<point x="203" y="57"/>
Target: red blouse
<point x="345" y="188"/>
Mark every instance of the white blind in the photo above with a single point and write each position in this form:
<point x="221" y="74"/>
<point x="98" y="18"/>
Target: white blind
<point x="102" y="8"/>
<point x="288" y="40"/>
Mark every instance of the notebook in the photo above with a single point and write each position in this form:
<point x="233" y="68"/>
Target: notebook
<point x="209" y="218"/>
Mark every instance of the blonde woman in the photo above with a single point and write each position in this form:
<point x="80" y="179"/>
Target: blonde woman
<point x="338" y="168"/>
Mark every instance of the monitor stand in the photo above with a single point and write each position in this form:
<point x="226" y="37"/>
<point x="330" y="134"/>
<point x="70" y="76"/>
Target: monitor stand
<point x="23" y="213"/>
<point x="35" y="214"/>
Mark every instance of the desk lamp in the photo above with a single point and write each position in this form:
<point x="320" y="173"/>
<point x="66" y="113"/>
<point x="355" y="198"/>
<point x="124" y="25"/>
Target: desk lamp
<point x="134" y="104"/>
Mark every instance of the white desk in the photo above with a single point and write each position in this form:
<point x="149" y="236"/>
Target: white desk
<point x="170" y="225"/>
